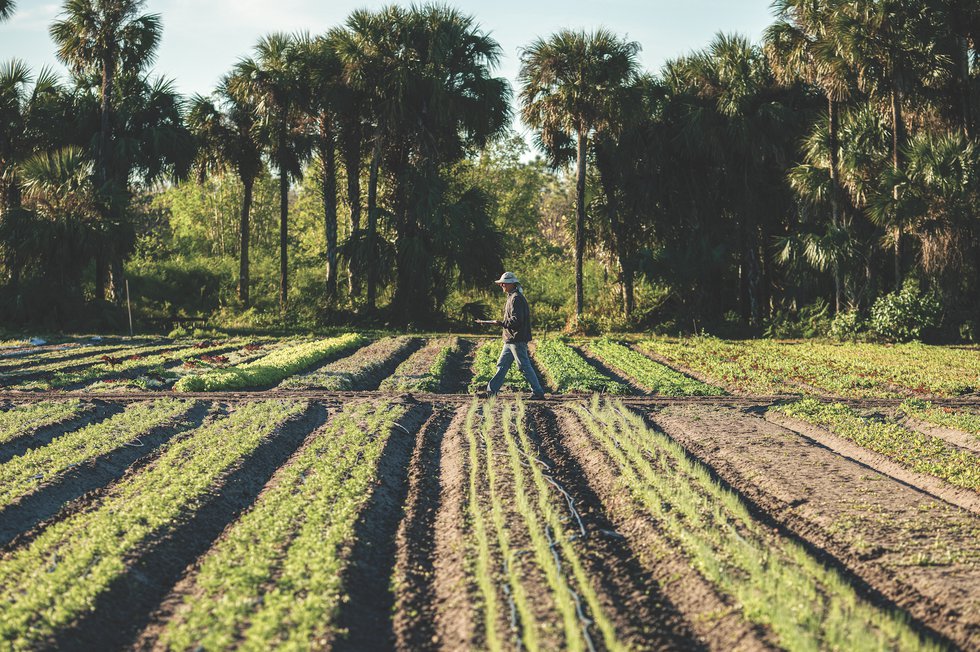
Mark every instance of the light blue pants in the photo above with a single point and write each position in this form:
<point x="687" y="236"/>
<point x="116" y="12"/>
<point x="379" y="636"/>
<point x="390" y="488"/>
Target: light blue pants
<point x="510" y="352"/>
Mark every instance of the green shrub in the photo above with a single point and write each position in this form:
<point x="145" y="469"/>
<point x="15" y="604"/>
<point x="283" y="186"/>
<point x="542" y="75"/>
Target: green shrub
<point x="903" y="316"/>
<point x="847" y="326"/>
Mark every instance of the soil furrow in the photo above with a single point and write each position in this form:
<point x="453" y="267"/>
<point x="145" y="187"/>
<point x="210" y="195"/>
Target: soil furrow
<point x="644" y="616"/>
<point x="900" y="546"/>
<point x="414" y="618"/>
<point x="99" y="411"/>
<point x="715" y="620"/>
<point x="366" y="615"/>
<point x="959" y="438"/>
<point x="93" y="474"/>
<point x="122" y="612"/>
<point x="927" y="484"/>
<point x="459" y="370"/>
<point x="611" y="372"/>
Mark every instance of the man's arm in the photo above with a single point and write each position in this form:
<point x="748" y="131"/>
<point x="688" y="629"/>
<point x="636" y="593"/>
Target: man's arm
<point x="512" y="314"/>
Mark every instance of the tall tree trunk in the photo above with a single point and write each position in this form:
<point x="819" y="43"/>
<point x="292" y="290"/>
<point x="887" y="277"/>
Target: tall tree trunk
<point x="963" y="65"/>
<point x="329" y="195"/>
<point x="580" y="223"/>
<point x="116" y="289"/>
<point x="898" y="142"/>
<point x="105" y="123"/>
<point x="372" y="208"/>
<point x="604" y="165"/>
<point x="100" y="276"/>
<point x="283" y="239"/>
<point x="352" y="166"/>
<point x="835" y="194"/>
<point x="244" y="232"/>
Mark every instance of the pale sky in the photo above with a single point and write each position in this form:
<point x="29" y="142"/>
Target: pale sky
<point x="203" y="39"/>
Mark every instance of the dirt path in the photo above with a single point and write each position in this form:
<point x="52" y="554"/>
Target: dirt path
<point x="904" y="546"/>
<point x="615" y="374"/>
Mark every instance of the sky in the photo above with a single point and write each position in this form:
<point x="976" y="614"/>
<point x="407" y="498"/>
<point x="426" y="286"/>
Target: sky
<point x="202" y="39"/>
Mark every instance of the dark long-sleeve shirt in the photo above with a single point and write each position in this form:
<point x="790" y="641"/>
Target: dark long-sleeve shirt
<point x="517" y="318"/>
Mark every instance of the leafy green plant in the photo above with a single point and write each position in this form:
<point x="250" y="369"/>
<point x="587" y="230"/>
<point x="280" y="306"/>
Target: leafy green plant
<point x="659" y="378"/>
<point x="964" y="420"/>
<point x="424" y="369"/>
<point x="847" y="326"/>
<point x="21" y="420"/>
<point x="59" y="575"/>
<point x="347" y="373"/>
<point x="914" y="450"/>
<point x="296" y="535"/>
<point x="21" y="475"/>
<point x="903" y="316"/>
<point x="569" y="372"/>
<point x="272" y="368"/>
<point x="774" y="581"/>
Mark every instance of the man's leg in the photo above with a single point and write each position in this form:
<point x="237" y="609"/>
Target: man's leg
<point x="503" y="366"/>
<point x="524" y="364"/>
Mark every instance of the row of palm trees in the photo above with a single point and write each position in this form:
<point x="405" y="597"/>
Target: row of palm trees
<point x="831" y="160"/>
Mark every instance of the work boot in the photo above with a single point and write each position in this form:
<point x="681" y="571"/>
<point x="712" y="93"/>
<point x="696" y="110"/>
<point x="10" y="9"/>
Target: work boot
<point x="534" y="397"/>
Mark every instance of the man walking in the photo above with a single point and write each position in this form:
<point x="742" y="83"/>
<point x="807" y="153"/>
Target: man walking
<point x="517" y="333"/>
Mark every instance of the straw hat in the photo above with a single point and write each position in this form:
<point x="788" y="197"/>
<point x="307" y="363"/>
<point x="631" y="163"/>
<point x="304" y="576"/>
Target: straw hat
<point x="508" y="277"/>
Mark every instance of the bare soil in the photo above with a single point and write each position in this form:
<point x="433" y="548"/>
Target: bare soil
<point x="903" y="546"/>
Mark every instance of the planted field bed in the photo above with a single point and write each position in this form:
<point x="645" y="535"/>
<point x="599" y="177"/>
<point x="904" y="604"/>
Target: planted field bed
<point x="333" y="493"/>
<point x="426" y="369"/>
<point x="365" y="369"/>
<point x="856" y="370"/>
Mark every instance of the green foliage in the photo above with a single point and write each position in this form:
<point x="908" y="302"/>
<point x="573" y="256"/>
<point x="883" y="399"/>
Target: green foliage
<point x="272" y="368"/>
<point x="23" y="420"/>
<point x="904" y="315"/>
<point x="916" y="451"/>
<point x="847" y="326"/>
<point x="423" y="370"/>
<point x="658" y="378"/>
<point x="58" y="577"/>
<point x="21" y="475"/>
<point x="293" y="537"/>
<point x="809" y="321"/>
<point x="485" y="366"/>
<point x="958" y="419"/>
<point x="347" y="373"/>
<point x="774" y="581"/>
<point x="857" y="369"/>
<point x="568" y="371"/>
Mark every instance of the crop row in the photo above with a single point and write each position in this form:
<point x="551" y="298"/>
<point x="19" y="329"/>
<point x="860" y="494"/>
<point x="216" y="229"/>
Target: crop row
<point x="424" y="369"/>
<point x="860" y="370"/>
<point x="548" y="530"/>
<point x="919" y="452"/>
<point x="568" y="371"/>
<point x="774" y="581"/>
<point x="349" y="372"/>
<point x="57" y="577"/>
<point x="63" y="355"/>
<point x="274" y="580"/>
<point x="23" y="474"/>
<point x="64" y="366"/>
<point x="271" y="368"/>
<point x="485" y="366"/>
<point x="22" y="420"/>
<point x="968" y="422"/>
<point x="658" y="378"/>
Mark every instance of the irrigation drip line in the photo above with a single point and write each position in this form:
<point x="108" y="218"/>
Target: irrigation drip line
<point x="584" y="620"/>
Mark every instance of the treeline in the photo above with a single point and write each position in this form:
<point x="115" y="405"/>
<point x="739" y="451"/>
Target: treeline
<point x="816" y="173"/>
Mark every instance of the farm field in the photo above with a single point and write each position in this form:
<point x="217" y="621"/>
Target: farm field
<point x="352" y="492"/>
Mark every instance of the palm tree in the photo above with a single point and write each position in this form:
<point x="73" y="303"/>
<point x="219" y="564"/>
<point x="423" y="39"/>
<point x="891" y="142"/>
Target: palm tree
<point x="571" y="85"/>
<point x="372" y="50"/>
<point x="802" y="45"/>
<point x="271" y="81"/>
<point x="7" y="9"/>
<point x="225" y="127"/>
<point x="322" y="77"/>
<point x="883" y="42"/>
<point x="105" y="37"/>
